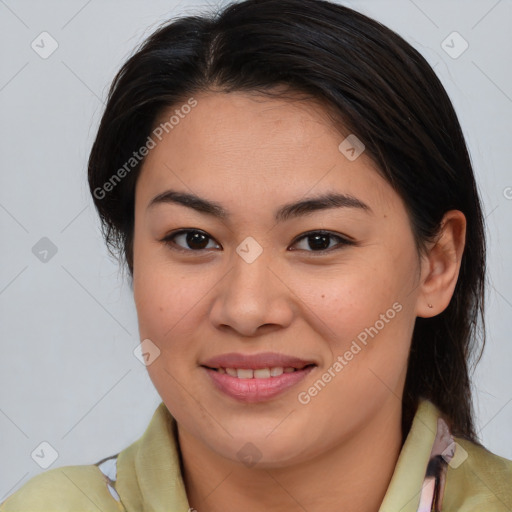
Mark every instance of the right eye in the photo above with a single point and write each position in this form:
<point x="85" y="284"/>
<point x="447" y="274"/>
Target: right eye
<point x="195" y="239"/>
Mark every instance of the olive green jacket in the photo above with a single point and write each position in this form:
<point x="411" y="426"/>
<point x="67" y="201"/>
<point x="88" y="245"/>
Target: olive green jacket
<point x="146" y="476"/>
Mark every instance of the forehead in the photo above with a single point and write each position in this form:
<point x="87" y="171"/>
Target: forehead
<point x="231" y="125"/>
<point x="247" y="146"/>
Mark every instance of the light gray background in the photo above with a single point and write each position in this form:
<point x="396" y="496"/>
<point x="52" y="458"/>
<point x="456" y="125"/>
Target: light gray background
<point x="69" y="376"/>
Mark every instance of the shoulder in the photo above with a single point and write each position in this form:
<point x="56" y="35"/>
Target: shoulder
<point x="478" y="479"/>
<point x="111" y="484"/>
<point x="64" y="489"/>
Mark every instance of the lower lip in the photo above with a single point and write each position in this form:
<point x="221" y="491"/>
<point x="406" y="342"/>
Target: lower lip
<point x="256" y="390"/>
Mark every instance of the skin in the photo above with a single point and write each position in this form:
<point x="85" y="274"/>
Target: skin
<point x="252" y="155"/>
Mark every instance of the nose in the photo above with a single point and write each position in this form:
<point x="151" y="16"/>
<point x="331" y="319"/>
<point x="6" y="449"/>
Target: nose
<point x="253" y="298"/>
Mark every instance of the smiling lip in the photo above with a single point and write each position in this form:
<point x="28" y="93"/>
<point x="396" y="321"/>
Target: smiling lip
<point x="251" y="390"/>
<point x="255" y="361"/>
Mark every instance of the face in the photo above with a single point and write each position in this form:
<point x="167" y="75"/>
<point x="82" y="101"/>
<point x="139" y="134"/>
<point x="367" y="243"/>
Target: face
<point x="333" y="285"/>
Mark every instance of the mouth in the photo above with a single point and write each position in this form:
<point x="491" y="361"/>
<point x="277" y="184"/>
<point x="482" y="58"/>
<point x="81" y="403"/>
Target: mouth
<point x="252" y="385"/>
<point x="258" y="373"/>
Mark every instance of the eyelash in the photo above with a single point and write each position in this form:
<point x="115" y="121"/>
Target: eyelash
<point x="342" y="241"/>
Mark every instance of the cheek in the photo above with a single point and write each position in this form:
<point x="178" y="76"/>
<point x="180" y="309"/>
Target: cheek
<point x="172" y="303"/>
<point x="352" y="299"/>
<point x="160" y="293"/>
<point x="369" y="322"/>
<point x="164" y="300"/>
<point x="167" y="308"/>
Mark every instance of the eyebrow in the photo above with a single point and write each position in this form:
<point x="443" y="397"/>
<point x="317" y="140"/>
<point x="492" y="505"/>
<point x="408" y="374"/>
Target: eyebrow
<point x="288" y="211"/>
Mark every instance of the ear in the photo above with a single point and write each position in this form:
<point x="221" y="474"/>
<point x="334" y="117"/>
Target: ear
<point x="440" y="266"/>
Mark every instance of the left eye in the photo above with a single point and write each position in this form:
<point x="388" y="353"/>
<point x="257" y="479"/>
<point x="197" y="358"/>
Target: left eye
<point x="196" y="240"/>
<point x="319" y="241"/>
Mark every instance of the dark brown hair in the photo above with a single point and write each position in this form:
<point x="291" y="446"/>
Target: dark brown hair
<point x="377" y="86"/>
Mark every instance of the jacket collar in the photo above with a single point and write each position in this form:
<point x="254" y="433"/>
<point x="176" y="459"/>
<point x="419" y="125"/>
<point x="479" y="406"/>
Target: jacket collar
<point x="149" y="475"/>
<point x="417" y="484"/>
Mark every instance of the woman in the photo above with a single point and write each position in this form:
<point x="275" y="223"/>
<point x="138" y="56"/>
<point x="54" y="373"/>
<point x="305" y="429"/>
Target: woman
<point x="291" y="191"/>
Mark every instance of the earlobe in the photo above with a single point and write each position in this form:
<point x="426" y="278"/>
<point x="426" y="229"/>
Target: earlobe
<point x="442" y="264"/>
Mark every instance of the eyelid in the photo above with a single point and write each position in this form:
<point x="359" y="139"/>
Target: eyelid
<point x="167" y="239"/>
<point x="343" y="240"/>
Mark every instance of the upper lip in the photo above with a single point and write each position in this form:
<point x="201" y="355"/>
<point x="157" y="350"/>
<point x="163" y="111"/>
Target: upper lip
<point x="255" y="361"/>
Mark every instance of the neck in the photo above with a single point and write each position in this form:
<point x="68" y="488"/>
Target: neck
<point x="354" y="476"/>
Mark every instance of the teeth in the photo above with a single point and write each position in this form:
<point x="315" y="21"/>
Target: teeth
<point x="244" y="373"/>
<point x="260" y="373"/>
<point x="275" y="372"/>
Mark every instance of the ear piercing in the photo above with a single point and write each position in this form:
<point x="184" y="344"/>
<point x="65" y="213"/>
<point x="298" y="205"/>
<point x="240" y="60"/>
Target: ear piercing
<point x="430" y="305"/>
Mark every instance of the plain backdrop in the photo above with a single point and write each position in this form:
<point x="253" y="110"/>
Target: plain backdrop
<point x="68" y="373"/>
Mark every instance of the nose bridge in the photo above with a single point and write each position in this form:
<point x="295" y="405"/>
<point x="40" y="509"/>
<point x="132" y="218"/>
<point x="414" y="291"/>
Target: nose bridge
<point x="250" y="274"/>
<point x="251" y="295"/>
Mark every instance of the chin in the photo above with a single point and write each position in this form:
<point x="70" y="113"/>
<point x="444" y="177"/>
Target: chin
<point x="258" y="451"/>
